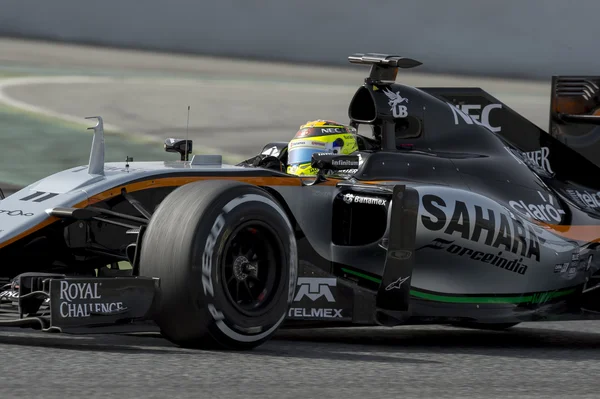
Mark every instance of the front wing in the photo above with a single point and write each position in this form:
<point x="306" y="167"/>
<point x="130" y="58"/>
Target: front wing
<point x="54" y="302"/>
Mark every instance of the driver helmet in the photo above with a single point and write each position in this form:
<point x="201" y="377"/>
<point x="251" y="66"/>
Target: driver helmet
<point x="319" y="136"/>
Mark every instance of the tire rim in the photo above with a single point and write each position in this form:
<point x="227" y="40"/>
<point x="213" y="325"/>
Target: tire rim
<point x="249" y="267"/>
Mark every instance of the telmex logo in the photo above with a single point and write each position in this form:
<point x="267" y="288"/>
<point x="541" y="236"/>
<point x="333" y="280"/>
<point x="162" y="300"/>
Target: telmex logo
<point x="315" y="288"/>
<point x="464" y="111"/>
<point x="585" y="198"/>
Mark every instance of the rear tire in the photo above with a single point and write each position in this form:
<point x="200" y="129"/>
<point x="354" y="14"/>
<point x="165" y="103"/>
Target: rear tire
<point x="226" y="256"/>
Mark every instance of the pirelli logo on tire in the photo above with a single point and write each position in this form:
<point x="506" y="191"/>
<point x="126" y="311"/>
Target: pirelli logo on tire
<point x="207" y="261"/>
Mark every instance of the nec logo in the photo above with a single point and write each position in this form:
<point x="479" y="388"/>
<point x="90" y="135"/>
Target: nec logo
<point x="315" y="288"/>
<point x="464" y="111"/>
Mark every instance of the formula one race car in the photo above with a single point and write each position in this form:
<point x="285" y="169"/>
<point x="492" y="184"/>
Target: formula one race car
<point x="456" y="211"/>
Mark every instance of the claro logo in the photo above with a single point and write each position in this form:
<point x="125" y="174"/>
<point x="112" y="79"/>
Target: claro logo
<point x="548" y="211"/>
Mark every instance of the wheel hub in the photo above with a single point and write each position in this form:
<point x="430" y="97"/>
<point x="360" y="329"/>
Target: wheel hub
<point x="242" y="268"/>
<point x="250" y="273"/>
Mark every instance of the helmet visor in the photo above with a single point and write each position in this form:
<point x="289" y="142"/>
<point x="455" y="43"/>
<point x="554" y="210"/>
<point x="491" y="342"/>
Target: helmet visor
<point x="299" y="155"/>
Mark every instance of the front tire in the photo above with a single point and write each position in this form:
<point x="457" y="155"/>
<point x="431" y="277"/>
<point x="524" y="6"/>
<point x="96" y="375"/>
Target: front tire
<point x="226" y="256"/>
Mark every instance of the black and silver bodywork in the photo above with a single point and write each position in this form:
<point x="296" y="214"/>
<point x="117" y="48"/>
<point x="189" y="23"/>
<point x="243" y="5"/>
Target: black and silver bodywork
<point x="457" y="210"/>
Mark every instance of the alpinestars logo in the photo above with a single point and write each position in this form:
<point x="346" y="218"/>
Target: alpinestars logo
<point x="358" y="199"/>
<point x="315" y="288"/>
<point x="396" y="284"/>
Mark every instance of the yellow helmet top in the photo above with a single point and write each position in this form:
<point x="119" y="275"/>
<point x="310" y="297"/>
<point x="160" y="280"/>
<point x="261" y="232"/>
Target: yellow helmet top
<point x="319" y="136"/>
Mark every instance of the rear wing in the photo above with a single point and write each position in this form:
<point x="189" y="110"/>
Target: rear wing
<point x="384" y="67"/>
<point x="575" y="114"/>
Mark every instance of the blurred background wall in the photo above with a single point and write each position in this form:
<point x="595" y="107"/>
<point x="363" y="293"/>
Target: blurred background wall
<point x="511" y="38"/>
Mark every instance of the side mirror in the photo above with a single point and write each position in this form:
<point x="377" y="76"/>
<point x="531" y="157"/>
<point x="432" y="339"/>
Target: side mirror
<point x="182" y="146"/>
<point x="334" y="162"/>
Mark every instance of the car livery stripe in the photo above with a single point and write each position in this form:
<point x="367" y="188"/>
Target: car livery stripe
<point x="362" y="275"/>
<point x="536" y="297"/>
<point x="532" y="297"/>
<point x="180" y="181"/>
<point x="585" y="233"/>
<point x="34" y="195"/>
<point x="149" y="183"/>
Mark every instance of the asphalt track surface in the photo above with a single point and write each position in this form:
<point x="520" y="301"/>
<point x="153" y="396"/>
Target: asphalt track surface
<point x="148" y="94"/>
<point x="537" y="361"/>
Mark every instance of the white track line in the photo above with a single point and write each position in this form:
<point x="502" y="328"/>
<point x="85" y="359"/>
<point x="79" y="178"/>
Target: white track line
<point x="36" y="80"/>
<point x="308" y="86"/>
<point x="511" y="99"/>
